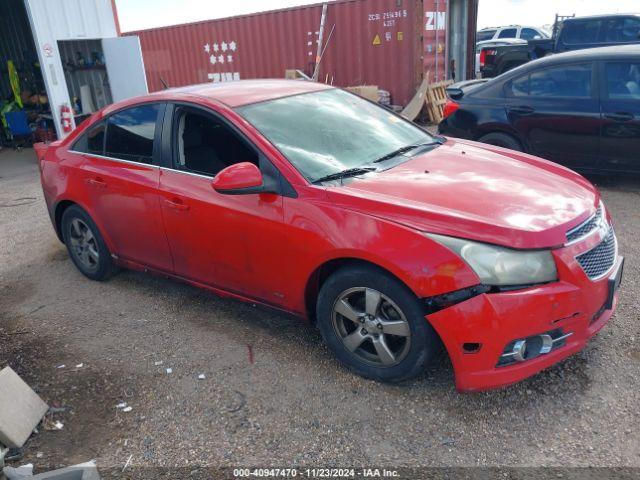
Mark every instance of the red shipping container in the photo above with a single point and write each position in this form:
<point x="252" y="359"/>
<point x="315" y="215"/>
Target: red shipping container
<point x="388" y="43"/>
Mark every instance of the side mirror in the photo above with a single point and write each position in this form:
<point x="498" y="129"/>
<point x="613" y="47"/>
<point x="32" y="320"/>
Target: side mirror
<point x="239" y="179"/>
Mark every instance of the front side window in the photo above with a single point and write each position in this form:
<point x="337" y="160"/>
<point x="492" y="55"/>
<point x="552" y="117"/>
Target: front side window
<point x="206" y="145"/>
<point x="326" y="132"/>
<point x="508" y="33"/>
<point x="131" y="132"/>
<point x="565" y="81"/>
<point x="530" y="34"/>
<point x="623" y="80"/>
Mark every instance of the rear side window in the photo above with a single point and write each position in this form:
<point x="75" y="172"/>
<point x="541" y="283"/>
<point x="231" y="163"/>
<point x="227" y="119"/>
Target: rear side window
<point x="485" y="35"/>
<point x="92" y="141"/>
<point x="623" y="80"/>
<point x="581" y="32"/>
<point x="131" y="133"/>
<point x="563" y="81"/>
<point x="508" y="33"/>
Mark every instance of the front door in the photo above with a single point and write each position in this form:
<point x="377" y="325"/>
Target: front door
<point x="557" y="110"/>
<point x="121" y="176"/>
<point x="620" y="134"/>
<point x="232" y="242"/>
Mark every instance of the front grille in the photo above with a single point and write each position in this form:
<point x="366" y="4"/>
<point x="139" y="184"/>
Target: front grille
<point x="585" y="228"/>
<point x="599" y="260"/>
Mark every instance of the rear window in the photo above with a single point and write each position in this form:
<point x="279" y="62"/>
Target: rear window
<point x="581" y="32"/>
<point x="485" y="35"/>
<point x="130" y="133"/>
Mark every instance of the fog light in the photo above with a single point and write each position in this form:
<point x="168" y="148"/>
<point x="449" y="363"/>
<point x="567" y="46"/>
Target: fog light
<point x="529" y="348"/>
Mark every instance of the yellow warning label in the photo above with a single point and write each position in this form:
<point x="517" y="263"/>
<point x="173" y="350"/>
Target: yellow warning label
<point x="376" y="40"/>
<point x="400" y="36"/>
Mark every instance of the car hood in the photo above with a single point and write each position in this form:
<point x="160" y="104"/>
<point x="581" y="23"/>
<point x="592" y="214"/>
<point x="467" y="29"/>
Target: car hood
<point x="476" y="191"/>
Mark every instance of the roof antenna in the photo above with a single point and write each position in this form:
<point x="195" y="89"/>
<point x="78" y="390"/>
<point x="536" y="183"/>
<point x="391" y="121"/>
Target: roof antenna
<point x="164" y="84"/>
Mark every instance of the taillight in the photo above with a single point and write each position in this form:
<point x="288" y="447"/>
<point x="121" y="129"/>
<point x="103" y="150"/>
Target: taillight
<point x="484" y="53"/>
<point x="449" y="108"/>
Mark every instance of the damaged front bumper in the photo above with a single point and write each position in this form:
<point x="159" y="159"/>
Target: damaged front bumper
<point x="496" y="339"/>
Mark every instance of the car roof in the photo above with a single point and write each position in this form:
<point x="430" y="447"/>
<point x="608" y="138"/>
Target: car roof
<point x="591" y="54"/>
<point x="242" y="92"/>
<point x="601" y="16"/>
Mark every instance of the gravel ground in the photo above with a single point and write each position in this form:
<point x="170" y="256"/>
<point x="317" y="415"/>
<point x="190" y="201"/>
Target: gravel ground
<point x="273" y="394"/>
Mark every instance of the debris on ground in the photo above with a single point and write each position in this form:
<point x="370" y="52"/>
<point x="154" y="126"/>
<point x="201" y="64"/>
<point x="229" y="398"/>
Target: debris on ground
<point x="201" y="376"/>
<point x="18" y="473"/>
<point x="82" y="471"/>
<point x="127" y="463"/>
<point x="50" y="424"/>
<point x="21" y="409"/>
<point x="158" y="363"/>
<point x="169" y="370"/>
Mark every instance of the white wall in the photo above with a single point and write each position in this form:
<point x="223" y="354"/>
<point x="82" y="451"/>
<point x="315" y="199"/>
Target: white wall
<point x="53" y="20"/>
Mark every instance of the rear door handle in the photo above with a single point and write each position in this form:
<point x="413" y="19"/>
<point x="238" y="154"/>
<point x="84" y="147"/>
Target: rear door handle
<point x="522" y="110"/>
<point x="177" y="204"/>
<point x="620" y="116"/>
<point x="96" y="182"/>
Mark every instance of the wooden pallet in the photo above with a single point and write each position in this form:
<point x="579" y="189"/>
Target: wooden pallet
<point x="435" y="99"/>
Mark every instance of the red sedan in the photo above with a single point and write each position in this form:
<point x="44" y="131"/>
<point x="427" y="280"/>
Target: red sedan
<point x="309" y="199"/>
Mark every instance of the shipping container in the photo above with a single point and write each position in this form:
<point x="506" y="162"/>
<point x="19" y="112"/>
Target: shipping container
<point x="389" y="43"/>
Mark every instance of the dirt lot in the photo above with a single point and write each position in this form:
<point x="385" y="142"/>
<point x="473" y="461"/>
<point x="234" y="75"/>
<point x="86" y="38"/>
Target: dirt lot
<point x="273" y="394"/>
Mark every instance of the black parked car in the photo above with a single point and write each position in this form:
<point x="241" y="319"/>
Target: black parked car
<point x="580" y="109"/>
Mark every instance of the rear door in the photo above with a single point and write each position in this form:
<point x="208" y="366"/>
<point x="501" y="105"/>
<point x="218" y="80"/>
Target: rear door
<point x="556" y="109"/>
<point x="620" y="134"/>
<point x="121" y="176"/>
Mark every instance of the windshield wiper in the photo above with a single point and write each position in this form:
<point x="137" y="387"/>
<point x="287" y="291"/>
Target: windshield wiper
<point x="349" y="172"/>
<point x="408" y="148"/>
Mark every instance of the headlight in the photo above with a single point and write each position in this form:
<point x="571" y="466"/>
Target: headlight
<point x="502" y="266"/>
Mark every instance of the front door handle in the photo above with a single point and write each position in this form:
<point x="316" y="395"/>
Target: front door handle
<point x="522" y="110"/>
<point x="96" y="182"/>
<point x="620" y="116"/>
<point x="176" y="204"/>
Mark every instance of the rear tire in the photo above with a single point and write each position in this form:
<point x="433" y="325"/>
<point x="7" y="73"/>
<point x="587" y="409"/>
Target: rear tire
<point x="503" y="140"/>
<point x="85" y="244"/>
<point x="375" y="325"/>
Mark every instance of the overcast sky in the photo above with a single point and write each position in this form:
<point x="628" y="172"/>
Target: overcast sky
<point x="139" y="14"/>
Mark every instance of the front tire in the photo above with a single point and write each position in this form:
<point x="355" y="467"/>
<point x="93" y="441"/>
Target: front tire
<point x="374" y="324"/>
<point x="85" y="245"/>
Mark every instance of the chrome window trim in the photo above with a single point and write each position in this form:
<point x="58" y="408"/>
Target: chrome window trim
<point x="129" y="162"/>
<point x="104" y="157"/>
<point x="187" y="173"/>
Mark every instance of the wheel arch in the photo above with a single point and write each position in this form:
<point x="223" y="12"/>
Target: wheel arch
<point x="326" y="269"/>
<point x="62" y="205"/>
<point x="58" y="212"/>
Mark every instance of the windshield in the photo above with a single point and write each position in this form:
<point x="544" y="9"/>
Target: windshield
<point x="327" y="132"/>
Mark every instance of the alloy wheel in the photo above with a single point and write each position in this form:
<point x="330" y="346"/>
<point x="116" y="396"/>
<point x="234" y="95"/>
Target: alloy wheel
<point x="84" y="244"/>
<point x="371" y="326"/>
